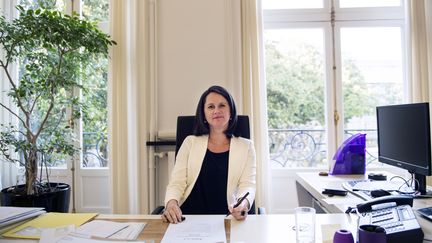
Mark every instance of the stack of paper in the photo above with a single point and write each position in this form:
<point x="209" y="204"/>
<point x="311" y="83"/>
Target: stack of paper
<point x="74" y="239"/>
<point x="109" y="230"/>
<point x="12" y="216"/>
<point x="33" y="228"/>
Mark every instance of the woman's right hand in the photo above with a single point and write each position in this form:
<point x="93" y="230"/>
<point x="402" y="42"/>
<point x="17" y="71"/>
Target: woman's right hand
<point x="172" y="213"/>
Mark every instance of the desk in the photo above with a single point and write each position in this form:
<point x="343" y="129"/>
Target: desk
<point x="256" y="228"/>
<point x="310" y="185"/>
<point x="272" y="228"/>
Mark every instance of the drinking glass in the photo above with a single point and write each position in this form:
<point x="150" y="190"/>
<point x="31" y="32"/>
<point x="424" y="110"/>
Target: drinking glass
<point x="305" y="224"/>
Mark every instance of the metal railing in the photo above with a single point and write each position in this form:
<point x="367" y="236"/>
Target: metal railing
<point x="291" y="148"/>
<point x="95" y="149"/>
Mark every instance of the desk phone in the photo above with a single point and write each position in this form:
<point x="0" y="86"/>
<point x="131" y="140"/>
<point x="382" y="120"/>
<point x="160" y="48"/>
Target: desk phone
<point x="395" y="215"/>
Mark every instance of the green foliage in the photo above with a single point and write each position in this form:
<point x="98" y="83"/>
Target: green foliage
<point x="96" y="10"/>
<point x="51" y="48"/>
<point x="95" y="116"/>
<point x="354" y="92"/>
<point x="296" y="88"/>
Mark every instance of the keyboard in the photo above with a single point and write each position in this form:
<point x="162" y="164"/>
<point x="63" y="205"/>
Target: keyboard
<point x="362" y="188"/>
<point x="426" y="212"/>
<point x="349" y="185"/>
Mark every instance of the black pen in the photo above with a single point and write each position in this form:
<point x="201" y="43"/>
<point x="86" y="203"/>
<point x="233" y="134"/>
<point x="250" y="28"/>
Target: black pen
<point x="238" y="202"/>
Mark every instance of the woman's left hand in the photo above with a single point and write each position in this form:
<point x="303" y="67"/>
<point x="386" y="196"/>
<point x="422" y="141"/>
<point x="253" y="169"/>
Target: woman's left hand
<point x="240" y="212"/>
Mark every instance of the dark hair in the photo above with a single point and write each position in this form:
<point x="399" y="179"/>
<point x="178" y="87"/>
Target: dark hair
<point x="201" y="127"/>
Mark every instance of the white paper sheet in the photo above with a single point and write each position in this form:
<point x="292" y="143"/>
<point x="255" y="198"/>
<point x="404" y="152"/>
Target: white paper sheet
<point x="353" y="201"/>
<point x="73" y="239"/>
<point x="197" y="229"/>
<point x="53" y="235"/>
<point x="109" y="230"/>
<point x="100" y="228"/>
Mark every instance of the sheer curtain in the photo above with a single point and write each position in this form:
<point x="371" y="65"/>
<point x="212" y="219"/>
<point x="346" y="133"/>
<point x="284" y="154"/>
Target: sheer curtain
<point x="128" y="125"/>
<point x="420" y="42"/>
<point x="254" y="94"/>
<point x="8" y="171"/>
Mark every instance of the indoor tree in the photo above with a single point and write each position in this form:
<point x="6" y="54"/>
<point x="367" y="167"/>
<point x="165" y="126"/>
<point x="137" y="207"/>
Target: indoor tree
<point x="50" y="48"/>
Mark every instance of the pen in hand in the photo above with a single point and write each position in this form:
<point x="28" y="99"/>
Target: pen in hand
<point x="238" y="202"/>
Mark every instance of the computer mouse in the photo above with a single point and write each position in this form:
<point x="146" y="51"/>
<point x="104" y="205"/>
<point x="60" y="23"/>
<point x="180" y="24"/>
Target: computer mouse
<point x="379" y="193"/>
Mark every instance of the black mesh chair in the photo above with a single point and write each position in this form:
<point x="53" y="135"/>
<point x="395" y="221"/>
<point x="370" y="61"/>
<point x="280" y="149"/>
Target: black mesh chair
<point x="185" y="127"/>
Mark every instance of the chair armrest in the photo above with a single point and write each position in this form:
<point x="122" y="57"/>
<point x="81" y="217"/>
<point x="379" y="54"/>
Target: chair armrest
<point x="158" y="210"/>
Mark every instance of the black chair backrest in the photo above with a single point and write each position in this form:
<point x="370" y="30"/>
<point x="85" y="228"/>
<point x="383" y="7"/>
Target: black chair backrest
<point x="186" y="125"/>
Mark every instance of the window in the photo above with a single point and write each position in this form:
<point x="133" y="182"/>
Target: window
<point x="327" y="67"/>
<point x="296" y="91"/>
<point x="95" y="118"/>
<point x="94" y="96"/>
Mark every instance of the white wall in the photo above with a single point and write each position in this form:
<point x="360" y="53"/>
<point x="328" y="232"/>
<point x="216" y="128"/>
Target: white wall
<point x="198" y="45"/>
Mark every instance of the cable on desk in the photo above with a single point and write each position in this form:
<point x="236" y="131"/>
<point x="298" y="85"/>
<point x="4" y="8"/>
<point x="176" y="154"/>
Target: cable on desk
<point x="351" y="210"/>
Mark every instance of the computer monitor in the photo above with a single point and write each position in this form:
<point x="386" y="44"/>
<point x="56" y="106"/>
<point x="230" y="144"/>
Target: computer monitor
<point x="404" y="139"/>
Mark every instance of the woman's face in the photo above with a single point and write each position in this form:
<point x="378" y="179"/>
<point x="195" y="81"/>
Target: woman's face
<point x="217" y="111"/>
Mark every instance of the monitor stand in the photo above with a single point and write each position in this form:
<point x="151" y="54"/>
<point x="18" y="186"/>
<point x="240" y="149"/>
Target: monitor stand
<point x="421" y="186"/>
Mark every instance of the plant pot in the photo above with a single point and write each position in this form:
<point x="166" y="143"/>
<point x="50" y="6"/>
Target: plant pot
<point x="54" y="201"/>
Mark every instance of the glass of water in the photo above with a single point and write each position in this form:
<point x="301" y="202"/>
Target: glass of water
<point x="305" y="224"/>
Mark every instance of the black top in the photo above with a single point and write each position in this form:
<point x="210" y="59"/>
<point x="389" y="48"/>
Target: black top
<point x="209" y="194"/>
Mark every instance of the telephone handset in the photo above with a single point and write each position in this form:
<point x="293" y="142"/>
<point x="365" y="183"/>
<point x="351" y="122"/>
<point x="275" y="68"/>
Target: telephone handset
<point x="385" y="202"/>
<point x="395" y="215"/>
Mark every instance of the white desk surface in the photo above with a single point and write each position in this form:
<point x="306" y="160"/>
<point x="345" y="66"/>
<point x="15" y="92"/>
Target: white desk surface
<point x="273" y="228"/>
<point x="315" y="184"/>
<point x="277" y="228"/>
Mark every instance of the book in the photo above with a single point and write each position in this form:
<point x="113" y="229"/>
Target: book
<point x="33" y="228"/>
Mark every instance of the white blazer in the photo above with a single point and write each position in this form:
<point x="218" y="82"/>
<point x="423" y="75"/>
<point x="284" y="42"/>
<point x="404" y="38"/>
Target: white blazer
<point x="241" y="169"/>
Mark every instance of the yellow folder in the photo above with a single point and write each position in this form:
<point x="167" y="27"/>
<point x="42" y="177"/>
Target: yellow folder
<point x="33" y="228"/>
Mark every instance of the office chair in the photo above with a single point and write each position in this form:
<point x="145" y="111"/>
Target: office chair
<point x="185" y="127"/>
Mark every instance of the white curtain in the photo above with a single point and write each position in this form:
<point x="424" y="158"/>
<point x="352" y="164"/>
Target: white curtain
<point x="128" y="125"/>
<point x="8" y="171"/>
<point x="254" y="94"/>
<point x="420" y="42"/>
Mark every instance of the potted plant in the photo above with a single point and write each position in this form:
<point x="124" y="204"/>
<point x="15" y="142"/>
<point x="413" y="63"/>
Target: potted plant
<point x="50" y="49"/>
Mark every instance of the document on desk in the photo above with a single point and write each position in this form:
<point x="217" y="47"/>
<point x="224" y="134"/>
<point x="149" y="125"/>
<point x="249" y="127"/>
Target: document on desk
<point x="61" y="221"/>
<point x="209" y="228"/>
<point x="11" y="215"/>
<point x="343" y="200"/>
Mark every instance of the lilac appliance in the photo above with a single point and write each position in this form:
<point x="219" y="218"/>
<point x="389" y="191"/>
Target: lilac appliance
<point x="350" y="158"/>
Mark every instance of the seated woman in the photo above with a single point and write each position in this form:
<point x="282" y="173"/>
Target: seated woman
<point x="213" y="168"/>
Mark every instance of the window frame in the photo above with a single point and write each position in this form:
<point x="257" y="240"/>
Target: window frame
<point x="343" y="17"/>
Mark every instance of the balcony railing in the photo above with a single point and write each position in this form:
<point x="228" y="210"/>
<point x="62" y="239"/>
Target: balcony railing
<point x="291" y="148"/>
<point x="95" y="149"/>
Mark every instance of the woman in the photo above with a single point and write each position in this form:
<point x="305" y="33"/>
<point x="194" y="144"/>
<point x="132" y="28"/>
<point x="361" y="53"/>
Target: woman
<point x="214" y="168"/>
